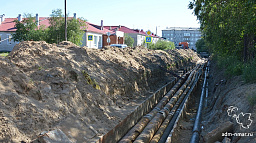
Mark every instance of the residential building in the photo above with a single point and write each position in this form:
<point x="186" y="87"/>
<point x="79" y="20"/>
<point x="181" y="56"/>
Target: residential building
<point x="6" y="31"/>
<point x="7" y="28"/>
<point x="116" y="38"/>
<point x="95" y="32"/>
<point x="137" y="35"/>
<point x="155" y="38"/>
<point x="93" y="36"/>
<point x="182" y="34"/>
<point x="100" y="36"/>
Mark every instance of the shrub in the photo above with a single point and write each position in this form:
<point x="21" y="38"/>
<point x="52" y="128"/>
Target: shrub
<point x="128" y="40"/>
<point x="252" y="99"/>
<point x="232" y="64"/>
<point x="161" y="45"/>
<point x="249" y="72"/>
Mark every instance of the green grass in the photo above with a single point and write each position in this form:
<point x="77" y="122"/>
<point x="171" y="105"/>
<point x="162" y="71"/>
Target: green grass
<point x="4" y="54"/>
<point x="90" y="80"/>
<point x="249" y="72"/>
<point x="252" y="99"/>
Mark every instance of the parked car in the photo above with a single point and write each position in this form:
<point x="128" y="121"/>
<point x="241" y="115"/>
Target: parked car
<point x="119" y="45"/>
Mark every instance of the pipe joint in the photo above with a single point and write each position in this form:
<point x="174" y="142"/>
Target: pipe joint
<point x="157" y="108"/>
<point x="148" y="116"/>
<point x="163" y="113"/>
<point x="165" y="108"/>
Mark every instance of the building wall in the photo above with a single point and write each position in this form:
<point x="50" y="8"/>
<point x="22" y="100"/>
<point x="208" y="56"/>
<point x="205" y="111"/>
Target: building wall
<point x="95" y="43"/>
<point x="119" y="34"/>
<point x="176" y="35"/>
<point x="134" y="36"/>
<point x="114" y="39"/>
<point x="138" y="39"/>
<point x="6" y="44"/>
<point x="154" y="40"/>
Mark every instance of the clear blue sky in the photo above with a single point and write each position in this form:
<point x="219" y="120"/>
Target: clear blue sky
<point x="139" y="14"/>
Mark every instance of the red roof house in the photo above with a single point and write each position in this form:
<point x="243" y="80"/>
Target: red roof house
<point x="7" y="28"/>
<point x="136" y="34"/>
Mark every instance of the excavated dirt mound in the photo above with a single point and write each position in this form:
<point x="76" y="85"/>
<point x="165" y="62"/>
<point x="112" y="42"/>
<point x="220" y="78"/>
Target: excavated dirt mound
<point x="84" y="92"/>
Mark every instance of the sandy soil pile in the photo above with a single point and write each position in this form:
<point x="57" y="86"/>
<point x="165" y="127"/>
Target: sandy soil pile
<point x="79" y="90"/>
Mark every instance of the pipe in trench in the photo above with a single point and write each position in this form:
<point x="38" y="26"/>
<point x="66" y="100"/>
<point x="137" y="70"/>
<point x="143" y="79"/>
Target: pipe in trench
<point x="164" y="125"/>
<point x="149" y="131"/>
<point x="137" y="129"/>
<point x="206" y="95"/>
<point x="196" y="130"/>
<point x="167" y="127"/>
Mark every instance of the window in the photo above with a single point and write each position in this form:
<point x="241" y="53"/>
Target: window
<point x="95" y="41"/>
<point x="186" y="34"/>
<point x="168" y="34"/>
<point x="0" y="38"/>
<point x="9" y="41"/>
<point x="100" y="41"/>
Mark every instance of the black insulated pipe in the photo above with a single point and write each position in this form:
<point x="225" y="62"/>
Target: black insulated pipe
<point x="176" y="115"/>
<point x="196" y="130"/>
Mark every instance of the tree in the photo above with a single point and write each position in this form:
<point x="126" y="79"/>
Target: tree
<point x="164" y="45"/>
<point x="128" y="40"/>
<point x="75" y="28"/>
<point x="229" y="26"/>
<point x="230" y="32"/>
<point x="200" y="46"/>
<point x="161" y="45"/>
<point x="27" y="29"/>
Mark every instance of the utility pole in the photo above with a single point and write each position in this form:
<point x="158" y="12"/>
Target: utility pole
<point x="66" y="39"/>
<point x="156" y="29"/>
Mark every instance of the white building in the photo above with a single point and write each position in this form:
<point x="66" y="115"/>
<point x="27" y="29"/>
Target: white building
<point x="6" y="31"/>
<point x="182" y="34"/>
<point x="7" y="28"/>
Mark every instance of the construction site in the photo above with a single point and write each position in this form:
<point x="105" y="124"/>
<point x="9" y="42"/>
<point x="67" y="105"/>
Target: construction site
<point x="66" y="93"/>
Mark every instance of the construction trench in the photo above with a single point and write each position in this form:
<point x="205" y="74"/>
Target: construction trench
<point x="137" y="100"/>
<point x="157" y="117"/>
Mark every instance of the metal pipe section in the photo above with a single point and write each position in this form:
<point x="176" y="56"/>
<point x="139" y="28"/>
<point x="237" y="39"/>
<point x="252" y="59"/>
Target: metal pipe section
<point x="206" y="95"/>
<point x="196" y="130"/>
<point x="165" y="131"/>
<point x="138" y="128"/>
<point x="156" y="122"/>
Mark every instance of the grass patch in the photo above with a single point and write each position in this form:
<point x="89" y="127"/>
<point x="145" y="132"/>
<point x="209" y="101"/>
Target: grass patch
<point x="249" y="72"/>
<point x="252" y="99"/>
<point x="90" y="80"/>
<point x="4" y="54"/>
<point x="233" y="66"/>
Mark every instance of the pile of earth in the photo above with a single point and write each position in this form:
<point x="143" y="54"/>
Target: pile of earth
<point x="77" y="89"/>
